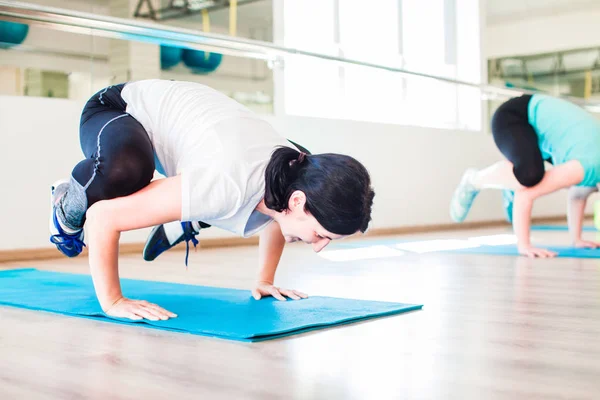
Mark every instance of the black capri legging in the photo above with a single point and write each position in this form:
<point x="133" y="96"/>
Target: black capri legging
<point x="517" y="141"/>
<point x="119" y="154"/>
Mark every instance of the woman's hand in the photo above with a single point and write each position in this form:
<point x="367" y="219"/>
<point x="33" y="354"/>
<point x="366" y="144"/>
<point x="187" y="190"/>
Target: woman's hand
<point x="267" y="289"/>
<point x="585" y="244"/>
<point x="534" y="252"/>
<point x="138" y="310"/>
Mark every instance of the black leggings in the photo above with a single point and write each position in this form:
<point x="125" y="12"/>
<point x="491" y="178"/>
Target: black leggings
<point x="517" y="140"/>
<point x="119" y="154"/>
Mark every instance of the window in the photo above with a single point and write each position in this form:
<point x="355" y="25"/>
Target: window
<point x="436" y="37"/>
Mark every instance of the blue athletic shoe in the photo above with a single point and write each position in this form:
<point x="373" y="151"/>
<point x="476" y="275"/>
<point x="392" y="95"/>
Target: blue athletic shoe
<point x="165" y="236"/>
<point x="70" y="244"/>
<point x="463" y="197"/>
<point x="508" y="199"/>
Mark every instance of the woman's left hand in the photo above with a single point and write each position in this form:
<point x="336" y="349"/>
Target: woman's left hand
<point x="585" y="244"/>
<point x="267" y="289"/>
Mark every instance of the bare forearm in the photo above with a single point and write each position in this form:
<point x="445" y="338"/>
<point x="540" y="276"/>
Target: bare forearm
<point x="522" y="218"/>
<point x="271" y="244"/>
<point x="575" y="213"/>
<point x="577" y="199"/>
<point x="103" y="243"/>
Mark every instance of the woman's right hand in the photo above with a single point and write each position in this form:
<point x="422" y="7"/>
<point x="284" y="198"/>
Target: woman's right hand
<point x="138" y="310"/>
<point x="534" y="252"/>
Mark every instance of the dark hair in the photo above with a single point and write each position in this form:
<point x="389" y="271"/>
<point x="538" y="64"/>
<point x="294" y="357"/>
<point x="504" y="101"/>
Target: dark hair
<point x="337" y="188"/>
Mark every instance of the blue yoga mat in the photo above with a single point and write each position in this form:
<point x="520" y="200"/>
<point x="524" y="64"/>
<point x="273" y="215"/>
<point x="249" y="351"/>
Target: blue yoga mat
<point x="207" y="311"/>
<point x="560" y="228"/>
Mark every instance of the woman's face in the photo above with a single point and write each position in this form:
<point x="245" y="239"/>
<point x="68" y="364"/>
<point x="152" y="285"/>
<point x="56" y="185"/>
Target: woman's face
<point x="298" y="225"/>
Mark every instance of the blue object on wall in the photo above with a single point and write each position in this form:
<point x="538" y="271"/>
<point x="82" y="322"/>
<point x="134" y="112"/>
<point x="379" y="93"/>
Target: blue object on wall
<point x="12" y="33"/>
<point x="201" y="62"/>
<point x="170" y="56"/>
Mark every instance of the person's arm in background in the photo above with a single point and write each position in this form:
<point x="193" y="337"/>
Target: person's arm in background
<point x="560" y="177"/>
<point x="577" y="200"/>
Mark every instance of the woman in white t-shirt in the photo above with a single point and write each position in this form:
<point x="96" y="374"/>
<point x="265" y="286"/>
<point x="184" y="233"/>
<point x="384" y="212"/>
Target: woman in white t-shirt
<point x="224" y="167"/>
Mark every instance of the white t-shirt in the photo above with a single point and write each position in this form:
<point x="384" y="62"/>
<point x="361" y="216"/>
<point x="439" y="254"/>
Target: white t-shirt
<point x="219" y="147"/>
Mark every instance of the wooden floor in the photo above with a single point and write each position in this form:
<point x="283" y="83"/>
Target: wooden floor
<point x="492" y="328"/>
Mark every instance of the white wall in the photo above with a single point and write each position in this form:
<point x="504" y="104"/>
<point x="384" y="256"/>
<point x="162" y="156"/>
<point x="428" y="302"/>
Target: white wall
<point x="543" y="33"/>
<point x="414" y="169"/>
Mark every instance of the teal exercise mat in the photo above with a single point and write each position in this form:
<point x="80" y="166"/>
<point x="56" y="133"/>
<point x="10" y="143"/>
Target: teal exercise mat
<point x="208" y="311"/>
<point x="560" y="228"/>
<point x="481" y="245"/>
<point x="511" y="250"/>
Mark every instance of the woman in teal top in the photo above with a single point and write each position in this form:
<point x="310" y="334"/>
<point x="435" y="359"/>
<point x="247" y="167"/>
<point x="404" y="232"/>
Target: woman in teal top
<point x="529" y="130"/>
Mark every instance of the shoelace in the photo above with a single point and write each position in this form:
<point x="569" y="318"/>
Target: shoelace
<point x="63" y="238"/>
<point x="66" y="239"/>
<point x="188" y="236"/>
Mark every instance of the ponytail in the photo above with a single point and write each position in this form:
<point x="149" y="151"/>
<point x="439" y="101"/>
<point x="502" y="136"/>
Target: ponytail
<point x="282" y="171"/>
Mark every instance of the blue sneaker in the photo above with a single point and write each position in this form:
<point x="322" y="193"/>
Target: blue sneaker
<point x="165" y="236"/>
<point x="463" y="197"/>
<point x="70" y="244"/>
<point x="508" y="199"/>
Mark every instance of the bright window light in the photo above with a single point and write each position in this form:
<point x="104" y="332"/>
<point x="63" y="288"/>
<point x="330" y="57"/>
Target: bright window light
<point x="438" y="37"/>
<point x="362" y="253"/>
<point x="494" y="240"/>
<point x="428" y="246"/>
